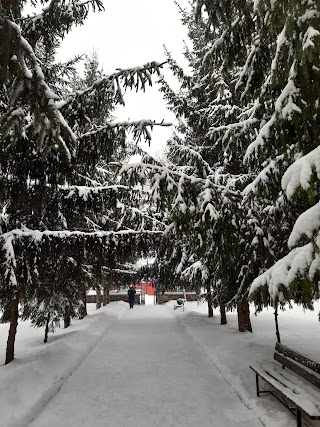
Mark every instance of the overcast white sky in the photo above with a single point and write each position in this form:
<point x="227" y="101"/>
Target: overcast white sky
<point x="130" y="33"/>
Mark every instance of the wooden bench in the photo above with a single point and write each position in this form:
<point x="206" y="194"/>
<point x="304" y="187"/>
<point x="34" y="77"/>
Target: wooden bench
<point x="297" y="387"/>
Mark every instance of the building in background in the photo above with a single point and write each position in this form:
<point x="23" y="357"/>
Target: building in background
<point x="147" y="292"/>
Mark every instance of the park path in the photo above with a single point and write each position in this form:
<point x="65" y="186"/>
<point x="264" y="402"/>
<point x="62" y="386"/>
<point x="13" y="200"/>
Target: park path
<point x="146" y="372"/>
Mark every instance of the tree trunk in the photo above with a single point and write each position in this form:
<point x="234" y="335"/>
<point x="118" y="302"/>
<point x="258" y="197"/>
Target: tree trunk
<point x="277" y="324"/>
<point x="197" y="290"/>
<point x="46" y="331"/>
<point x="67" y="320"/>
<point x="106" y="295"/>
<point x="223" y="314"/>
<point x="98" y="300"/>
<point x="209" y="299"/>
<point x="244" y="322"/>
<point x="83" y="307"/>
<point x="13" y="327"/>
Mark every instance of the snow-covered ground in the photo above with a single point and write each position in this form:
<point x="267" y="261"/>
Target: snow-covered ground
<point x="151" y="366"/>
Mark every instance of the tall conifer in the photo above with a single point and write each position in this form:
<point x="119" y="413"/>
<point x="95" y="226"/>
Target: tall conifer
<point x="54" y="146"/>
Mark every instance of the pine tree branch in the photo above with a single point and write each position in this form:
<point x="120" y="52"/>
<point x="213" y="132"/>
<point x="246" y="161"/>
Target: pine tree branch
<point x="37" y="235"/>
<point x="142" y="214"/>
<point x="110" y="87"/>
<point x="170" y="175"/>
<point x="138" y="127"/>
<point x="52" y="128"/>
<point x="57" y="19"/>
<point x="83" y="191"/>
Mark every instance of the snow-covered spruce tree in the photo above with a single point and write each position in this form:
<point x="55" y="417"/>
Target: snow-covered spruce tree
<point x="261" y="224"/>
<point x="193" y="186"/>
<point x="287" y="146"/>
<point x="49" y="197"/>
<point x="55" y="295"/>
<point x="165" y="270"/>
<point x="217" y="123"/>
<point x="28" y="112"/>
<point x="62" y="279"/>
<point x="113" y="211"/>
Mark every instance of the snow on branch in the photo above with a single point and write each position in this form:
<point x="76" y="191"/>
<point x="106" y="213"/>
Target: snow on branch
<point x="37" y="235"/>
<point x="218" y="42"/>
<point x="84" y="192"/>
<point x="133" y="78"/>
<point x="197" y="268"/>
<point x="90" y="223"/>
<point x="299" y="174"/>
<point x="275" y="276"/>
<point x="135" y="211"/>
<point x="173" y="177"/>
<point x="206" y="197"/>
<point x="281" y="41"/>
<point x="262" y="136"/>
<point x="58" y="17"/>
<point x="285" y="103"/>
<point x="262" y="178"/>
<point x="306" y="225"/>
<point x="10" y="258"/>
<point x="179" y="201"/>
<point x="245" y="69"/>
<point x="53" y="128"/>
<point x="284" y="107"/>
<point x="120" y="271"/>
<point x="139" y="128"/>
<point x="300" y="262"/>
<point x="241" y="124"/>
<point x="310" y="34"/>
<point x="4" y="218"/>
<point x="183" y="260"/>
<point x="190" y="155"/>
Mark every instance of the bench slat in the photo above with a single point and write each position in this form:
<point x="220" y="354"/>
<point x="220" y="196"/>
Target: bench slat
<point x="303" y="371"/>
<point x="304" y="401"/>
<point x="303" y="360"/>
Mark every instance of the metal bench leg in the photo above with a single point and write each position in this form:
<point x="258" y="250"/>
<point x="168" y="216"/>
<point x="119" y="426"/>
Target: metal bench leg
<point x="257" y="385"/>
<point x="299" y="421"/>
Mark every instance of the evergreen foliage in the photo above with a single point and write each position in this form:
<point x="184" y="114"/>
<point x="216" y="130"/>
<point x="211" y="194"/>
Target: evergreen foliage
<point x="205" y="175"/>
<point x="61" y="206"/>
<point x="247" y="116"/>
<point x="279" y="78"/>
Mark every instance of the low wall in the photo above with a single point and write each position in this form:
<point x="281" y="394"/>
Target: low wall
<point x="160" y="298"/>
<point x="169" y="296"/>
<point x="124" y="297"/>
<point x="113" y="297"/>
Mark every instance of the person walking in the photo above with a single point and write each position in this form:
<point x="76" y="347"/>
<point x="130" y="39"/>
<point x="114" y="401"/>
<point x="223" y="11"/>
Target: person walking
<point x="131" y="295"/>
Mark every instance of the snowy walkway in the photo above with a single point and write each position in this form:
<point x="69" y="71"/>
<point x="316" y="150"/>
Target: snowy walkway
<point x="146" y="371"/>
